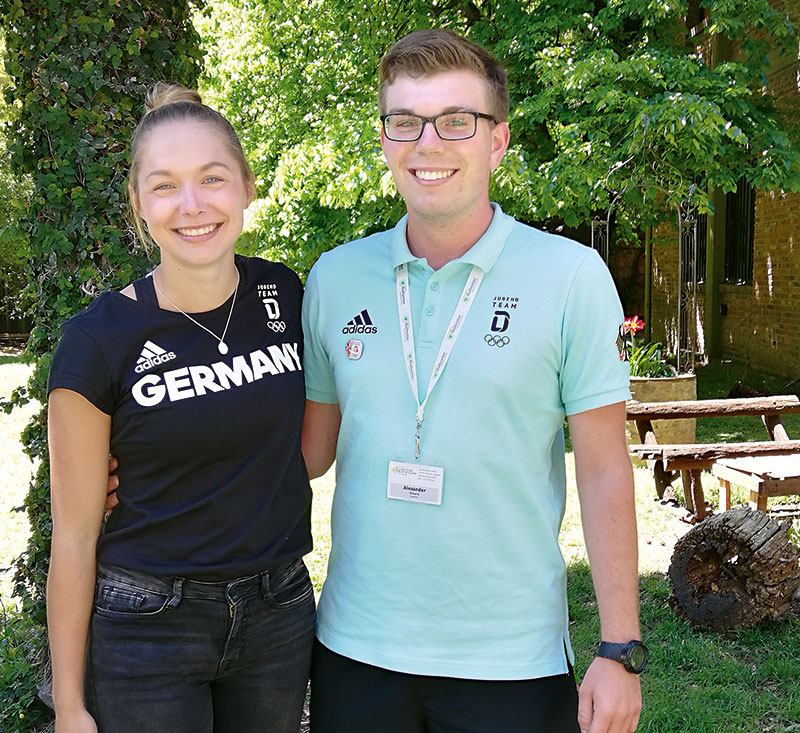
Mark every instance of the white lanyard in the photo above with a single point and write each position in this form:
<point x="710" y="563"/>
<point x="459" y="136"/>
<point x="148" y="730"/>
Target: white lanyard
<point x="448" y="342"/>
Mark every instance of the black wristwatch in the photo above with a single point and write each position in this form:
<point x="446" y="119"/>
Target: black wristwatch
<point x="632" y="656"/>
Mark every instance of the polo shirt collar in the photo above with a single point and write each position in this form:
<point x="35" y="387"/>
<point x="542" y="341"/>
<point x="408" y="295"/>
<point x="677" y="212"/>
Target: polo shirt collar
<point x="483" y="253"/>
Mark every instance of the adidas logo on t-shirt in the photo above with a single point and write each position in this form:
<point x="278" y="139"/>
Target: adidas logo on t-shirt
<point x="151" y="356"/>
<point x="362" y="323"/>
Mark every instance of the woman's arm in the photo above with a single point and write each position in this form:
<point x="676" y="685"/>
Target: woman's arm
<point x="78" y="435"/>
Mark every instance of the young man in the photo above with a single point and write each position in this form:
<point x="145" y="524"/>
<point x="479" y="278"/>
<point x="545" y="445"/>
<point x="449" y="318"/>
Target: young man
<point x="441" y="358"/>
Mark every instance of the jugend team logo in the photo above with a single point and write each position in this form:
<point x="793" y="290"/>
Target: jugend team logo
<point x="268" y="293"/>
<point x="152" y="355"/>
<point x="362" y="323"/>
<point x="501" y="319"/>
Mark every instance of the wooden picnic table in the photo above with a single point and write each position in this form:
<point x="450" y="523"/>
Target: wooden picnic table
<point x="764" y="477"/>
<point x="666" y="460"/>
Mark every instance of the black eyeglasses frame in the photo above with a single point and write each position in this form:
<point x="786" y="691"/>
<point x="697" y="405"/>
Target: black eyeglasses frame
<point x="432" y="120"/>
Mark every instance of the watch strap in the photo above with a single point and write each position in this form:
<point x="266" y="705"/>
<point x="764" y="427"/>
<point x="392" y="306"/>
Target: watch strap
<point x="613" y="650"/>
<point x="621" y="652"/>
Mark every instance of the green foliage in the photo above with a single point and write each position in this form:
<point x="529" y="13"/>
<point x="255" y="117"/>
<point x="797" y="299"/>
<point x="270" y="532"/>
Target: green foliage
<point x="794" y="534"/>
<point x="298" y="81"/>
<point x="14" y="190"/>
<point x="647" y="360"/>
<point x="627" y="93"/>
<point x="78" y="70"/>
<point x="595" y="87"/>
<point x="22" y="645"/>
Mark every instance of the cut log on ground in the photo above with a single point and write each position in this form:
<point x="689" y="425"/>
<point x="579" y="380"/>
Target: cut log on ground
<point x="734" y="570"/>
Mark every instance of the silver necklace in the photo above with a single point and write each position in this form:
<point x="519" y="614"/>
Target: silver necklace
<point x="222" y="347"/>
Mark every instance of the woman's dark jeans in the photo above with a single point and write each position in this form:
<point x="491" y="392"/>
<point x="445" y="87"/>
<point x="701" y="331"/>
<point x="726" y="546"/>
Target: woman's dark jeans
<point x="173" y="654"/>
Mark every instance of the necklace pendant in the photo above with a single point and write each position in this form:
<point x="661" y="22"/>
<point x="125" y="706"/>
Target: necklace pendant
<point x="222" y="347"/>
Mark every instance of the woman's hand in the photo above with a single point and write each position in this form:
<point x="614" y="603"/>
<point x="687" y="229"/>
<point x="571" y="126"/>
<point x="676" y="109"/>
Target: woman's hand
<point x="113" y="484"/>
<point x="78" y="722"/>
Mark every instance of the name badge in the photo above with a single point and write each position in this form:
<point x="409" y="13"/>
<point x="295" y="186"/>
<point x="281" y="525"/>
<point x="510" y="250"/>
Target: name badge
<point x="415" y="482"/>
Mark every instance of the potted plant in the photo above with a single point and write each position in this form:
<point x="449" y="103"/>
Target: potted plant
<point x="654" y="379"/>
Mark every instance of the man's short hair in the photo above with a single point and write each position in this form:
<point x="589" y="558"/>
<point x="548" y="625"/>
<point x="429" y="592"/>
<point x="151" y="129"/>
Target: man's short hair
<point x="436" y="50"/>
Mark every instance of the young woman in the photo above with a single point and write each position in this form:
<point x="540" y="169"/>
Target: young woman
<point x="193" y="610"/>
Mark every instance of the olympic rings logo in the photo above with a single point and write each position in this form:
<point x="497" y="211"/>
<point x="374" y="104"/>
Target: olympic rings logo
<point x="277" y="326"/>
<point x="499" y="341"/>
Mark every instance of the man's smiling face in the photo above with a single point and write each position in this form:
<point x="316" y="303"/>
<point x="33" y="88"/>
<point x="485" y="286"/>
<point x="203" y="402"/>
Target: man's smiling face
<point x="443" y="180"/>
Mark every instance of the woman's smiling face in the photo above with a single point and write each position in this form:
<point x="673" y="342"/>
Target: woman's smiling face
<point x="191" y="193"/>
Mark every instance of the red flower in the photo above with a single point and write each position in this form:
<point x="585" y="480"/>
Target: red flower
<point x="633" y="324"/>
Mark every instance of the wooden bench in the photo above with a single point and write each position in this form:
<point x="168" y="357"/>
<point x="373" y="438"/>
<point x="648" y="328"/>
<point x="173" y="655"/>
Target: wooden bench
<point x="764" y="477"/>
<point x="666" y="460"/>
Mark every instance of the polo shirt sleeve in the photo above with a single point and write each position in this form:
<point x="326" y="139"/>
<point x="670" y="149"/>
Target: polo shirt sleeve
<point x="592" y="372"/>
<point x="79" y="365"/>
<point x="320" y="383"/>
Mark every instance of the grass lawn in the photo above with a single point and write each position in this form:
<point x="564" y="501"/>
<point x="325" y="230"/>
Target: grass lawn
<point x="701" y="681"/>
<point x="697" y="682"/>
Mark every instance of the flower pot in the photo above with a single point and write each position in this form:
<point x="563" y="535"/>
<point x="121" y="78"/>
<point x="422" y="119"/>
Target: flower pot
<point x="664" y="389"/>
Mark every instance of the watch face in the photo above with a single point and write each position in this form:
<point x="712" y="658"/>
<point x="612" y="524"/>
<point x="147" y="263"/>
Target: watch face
<point x="638" y="657"/>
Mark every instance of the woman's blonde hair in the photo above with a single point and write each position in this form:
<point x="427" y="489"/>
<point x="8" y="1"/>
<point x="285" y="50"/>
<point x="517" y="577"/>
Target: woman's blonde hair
<point x="168" y="102"/>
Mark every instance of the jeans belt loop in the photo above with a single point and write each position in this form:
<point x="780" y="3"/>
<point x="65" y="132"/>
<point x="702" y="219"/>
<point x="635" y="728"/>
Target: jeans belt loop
<point x="265" y="585"/>
<point x="177" y="593"/>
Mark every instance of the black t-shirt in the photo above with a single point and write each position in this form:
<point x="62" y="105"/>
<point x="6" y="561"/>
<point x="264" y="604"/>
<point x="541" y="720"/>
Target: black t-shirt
<point x="212" y="481"/>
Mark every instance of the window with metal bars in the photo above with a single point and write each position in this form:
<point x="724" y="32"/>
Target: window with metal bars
<point x="689" y="270"/>
<point x="740" y="209"/>
<point x="702" y="236"/>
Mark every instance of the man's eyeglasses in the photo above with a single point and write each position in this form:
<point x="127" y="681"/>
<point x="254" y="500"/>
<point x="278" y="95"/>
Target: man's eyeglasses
<point x="448" y="126"/>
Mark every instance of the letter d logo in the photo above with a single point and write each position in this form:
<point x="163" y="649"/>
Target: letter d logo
<point x="272" y="308"/>
<point x="500" y="321"/>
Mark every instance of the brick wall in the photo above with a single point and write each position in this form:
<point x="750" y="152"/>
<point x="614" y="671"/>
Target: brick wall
<point x="762" y="324"/>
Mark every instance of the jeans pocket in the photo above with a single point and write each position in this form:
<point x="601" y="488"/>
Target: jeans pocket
<point x="290" y="585"/>
<point x="115" y="598"/>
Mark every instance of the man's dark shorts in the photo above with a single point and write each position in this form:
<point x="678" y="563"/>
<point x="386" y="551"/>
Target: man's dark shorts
<point x="351" y="697"/>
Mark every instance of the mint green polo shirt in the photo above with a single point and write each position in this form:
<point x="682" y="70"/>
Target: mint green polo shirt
<point x="475" y="587"/>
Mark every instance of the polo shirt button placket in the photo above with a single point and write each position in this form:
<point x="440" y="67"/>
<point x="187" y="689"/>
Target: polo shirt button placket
<point x="428" y="337"/>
